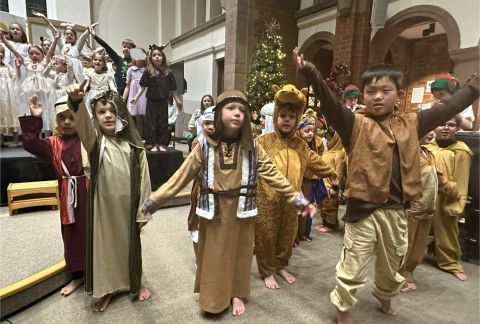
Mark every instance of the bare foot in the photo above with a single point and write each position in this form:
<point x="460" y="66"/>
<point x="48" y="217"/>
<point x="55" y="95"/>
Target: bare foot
<point x="462" y="276"/>
<point x="386" y="306"/>
<point x="154" y="149"/>
<point x="412" y="286"/>
<point x="270" y="282"/>
<point x="344" y="317"/>
<point x="323" y="229"/>
<point x="102" y="304"/>
<point x="238" y="307"/>
<point x="71" y="287"/>
<point x="162" y="148"/>
<point x="287" y="276"/>
<point x="405" y="288"/>
<point x="144" y="294"/>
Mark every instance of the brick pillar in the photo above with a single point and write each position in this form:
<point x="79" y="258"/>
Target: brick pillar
<point x="352" y="38"/>
<point x="244" y="24"/>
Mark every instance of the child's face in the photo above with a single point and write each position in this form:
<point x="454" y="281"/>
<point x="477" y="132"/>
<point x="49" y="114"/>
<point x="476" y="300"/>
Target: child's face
<point x="262" y="121"/>
<point x="233" y="115"/>
<point x="65" y="122"/>
<point x="427" y="138"/>
<point x="86" y="63"/>
<point x="16" y="32"/>
<point x="208" y="127"/>
<point x="106" y="117"/>
<point x="45" y="46"/>
<point x="206" y="102"/>
<point x="35" y="55"/>
<point x="446" y="131"/>
<point x="126" y="50"/>
<point x="286" y="120"/>
<point x="351" y="101"/>
<point x="380" y="96"/>
<point x="70" y="37"/>
<point x="439" y="95"/>
<point x="157" y="58"/>
<point x="98" y="63"/>
<point x="60" y="67"/>
<point x="306" y="133"/>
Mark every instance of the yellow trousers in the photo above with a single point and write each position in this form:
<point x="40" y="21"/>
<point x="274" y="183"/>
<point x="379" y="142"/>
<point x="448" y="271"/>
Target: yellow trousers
<point x="382" y="234"/>
<point x="447" y="247"/>
<point x="418" y="230"/>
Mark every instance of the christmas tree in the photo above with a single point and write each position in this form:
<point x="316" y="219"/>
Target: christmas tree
<point x="267" y="67"/>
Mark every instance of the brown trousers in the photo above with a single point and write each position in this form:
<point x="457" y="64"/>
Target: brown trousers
<point x="447" y="247"/>
<point x="418" y="230"/>
<point x="329" y="212"/>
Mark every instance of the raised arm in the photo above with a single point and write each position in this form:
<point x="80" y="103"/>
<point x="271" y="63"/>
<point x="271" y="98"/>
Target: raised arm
<point x="82" y="116"/>
<point x="49" y="23"/>
<point x="11" y="48"/>
<point x="340" y="117"/>
<point x="51" y="49"/>
<point x="31" y="128"/>
<point x="186" y="173"/>
<point x="442" y="112"/>
<point x="117" y="59"/>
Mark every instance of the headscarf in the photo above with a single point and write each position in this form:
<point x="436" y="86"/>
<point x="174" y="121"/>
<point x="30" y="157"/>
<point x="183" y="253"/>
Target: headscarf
<point x="246" y="138"/>
<point x="308" y="118"/>
<point x="267" y="111"/>
<point x="208" y="115"/>
<point x="124" y="121"/>
<point x="60" y="106"/>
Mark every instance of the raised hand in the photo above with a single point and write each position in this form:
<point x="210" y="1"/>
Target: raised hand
<point x="57" y="35"/>
<point x="38" y="14"/>
<point x="76" y="92"/>
<point x="91" y="28"/>
<point x="298" y="59"/>
<point x="35" y="106"/>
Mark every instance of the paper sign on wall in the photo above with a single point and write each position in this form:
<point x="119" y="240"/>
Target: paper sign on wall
<point x="417" y="95"/>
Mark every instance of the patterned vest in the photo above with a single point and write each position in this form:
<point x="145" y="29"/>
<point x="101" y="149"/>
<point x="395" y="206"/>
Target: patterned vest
<point x="208" y="197"/>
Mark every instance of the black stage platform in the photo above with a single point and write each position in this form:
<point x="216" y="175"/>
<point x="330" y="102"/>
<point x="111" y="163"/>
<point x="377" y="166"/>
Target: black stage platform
<point x="17" y="165"/>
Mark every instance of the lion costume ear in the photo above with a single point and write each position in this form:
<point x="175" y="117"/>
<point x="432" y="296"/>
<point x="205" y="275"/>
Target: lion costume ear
<point x="304" y="91"/>
<point x="275" y="88"/>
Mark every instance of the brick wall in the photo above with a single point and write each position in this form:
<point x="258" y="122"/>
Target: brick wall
<point x="421" y="60"/>
<point x="352" y="38"/>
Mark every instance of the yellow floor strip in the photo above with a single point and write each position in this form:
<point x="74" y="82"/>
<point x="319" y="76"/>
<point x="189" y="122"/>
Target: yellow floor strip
<point x="32" y="280"/>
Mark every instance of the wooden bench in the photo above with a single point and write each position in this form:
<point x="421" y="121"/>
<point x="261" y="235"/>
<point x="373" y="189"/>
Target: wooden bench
<point x="30" y="194"/>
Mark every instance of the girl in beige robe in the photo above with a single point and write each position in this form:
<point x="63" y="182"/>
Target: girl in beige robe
<point x="228" y="163"/>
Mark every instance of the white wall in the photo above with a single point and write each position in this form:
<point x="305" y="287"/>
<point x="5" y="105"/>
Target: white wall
<point x="198" y="54"/>
<point x="465" y="13"/>
<point x="325" y="20"/>
<point x="77" y="12"/>
<point x="120" y="19"/>
<point x="305" y="4"/>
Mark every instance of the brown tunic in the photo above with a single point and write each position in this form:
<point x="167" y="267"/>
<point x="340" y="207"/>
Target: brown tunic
<point x="225" y="244"/>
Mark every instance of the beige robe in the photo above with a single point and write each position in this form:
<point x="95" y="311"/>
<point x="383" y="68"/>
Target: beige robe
<point x="225" y="245"/>
<point x="111" y="221"/>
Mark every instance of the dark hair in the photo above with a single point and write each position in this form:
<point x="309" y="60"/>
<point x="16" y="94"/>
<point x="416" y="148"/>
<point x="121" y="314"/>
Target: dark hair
<point x="458" y="120"/>
<point x="24" y="36"/>
<point x="104" y="101"/>
<point x="201" y="101"/>
<point x="379" y="71"/>
<point x="288" y="106"/>
<point x="128" y="42"/>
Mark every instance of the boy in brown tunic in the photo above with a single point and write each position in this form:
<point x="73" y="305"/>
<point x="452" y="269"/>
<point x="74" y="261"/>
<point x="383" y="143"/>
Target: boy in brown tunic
<point x="383" y="176"/>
